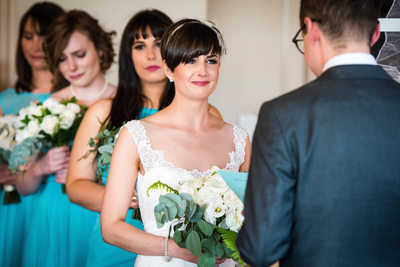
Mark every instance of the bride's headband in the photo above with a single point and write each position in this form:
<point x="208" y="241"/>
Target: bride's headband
<point x="207" y="23"/>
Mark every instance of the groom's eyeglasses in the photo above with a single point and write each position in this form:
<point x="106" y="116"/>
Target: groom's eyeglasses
<point x="299" y="42"/>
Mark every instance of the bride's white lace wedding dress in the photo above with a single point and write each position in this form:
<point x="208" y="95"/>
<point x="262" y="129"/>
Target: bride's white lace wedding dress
<point x="158" y="169"/>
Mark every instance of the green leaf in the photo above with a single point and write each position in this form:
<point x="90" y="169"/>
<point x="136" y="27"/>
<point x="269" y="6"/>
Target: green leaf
<point x="198" y="213"/>
<point x="209" y="244"/>
<point x="181" y="208"/>
<point x="177" y="237"/>
<point x="172" y="211"/>
<point x="206" y="227"/>
<point x="159" y="185"/>
<point x="168" y="202"/>
<point x="106" y="149"/>
<point x="193" y="243"/>
<point x="220" y="252"/>
<point x="174" y="197"/>
<point x="159" y="207"/>
<point x="206" y="260"/>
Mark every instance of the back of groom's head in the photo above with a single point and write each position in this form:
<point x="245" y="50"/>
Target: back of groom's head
<point x="342" y="21"/>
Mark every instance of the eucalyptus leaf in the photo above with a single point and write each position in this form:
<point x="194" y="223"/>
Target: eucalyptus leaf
<point x="206" y="260"/>
<point x="193" y="244"/>
<point x="219" y="249"/>
<point x="210" y="245"/>
<point x="173" y="197"/>
<point x="181" y="207"/>
<point x="159" y="207"/>
<point x="168" y="202"/>
<point x="172" y="211"/>
<point x="177" y="237"/>
<point x="106" y="148"/>
<point x="206" y="227"/>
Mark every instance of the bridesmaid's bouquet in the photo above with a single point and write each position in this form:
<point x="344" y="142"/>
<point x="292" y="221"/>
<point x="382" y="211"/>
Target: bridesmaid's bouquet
<point x="207" y="216"/>
<point x="8" y="129"/>
<point x="42" y="126"/>
<point x="103" y="144"/>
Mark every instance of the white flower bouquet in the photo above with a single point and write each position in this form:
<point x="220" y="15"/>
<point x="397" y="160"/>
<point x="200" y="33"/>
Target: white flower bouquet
<point x="207" y="217"/>
<point x="8" y="128"/>
<point x="42" y="126"/>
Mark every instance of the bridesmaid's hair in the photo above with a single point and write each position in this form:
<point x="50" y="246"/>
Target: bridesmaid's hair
<point x="129" y="99"/>
<point x="64" y="26"/>
<point x="43" y="15"/>
<point x="190" y="38"/>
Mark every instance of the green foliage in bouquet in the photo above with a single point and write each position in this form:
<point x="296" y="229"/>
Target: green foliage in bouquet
<point x="103" y="144"/>
<point x="23" y="152"/>
<point x="200" y="237"/>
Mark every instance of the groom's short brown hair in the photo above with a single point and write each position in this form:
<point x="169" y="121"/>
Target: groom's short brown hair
<point x="343" y="20"/>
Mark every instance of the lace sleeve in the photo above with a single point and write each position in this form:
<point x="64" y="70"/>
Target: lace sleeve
<point x="237" y="156"/>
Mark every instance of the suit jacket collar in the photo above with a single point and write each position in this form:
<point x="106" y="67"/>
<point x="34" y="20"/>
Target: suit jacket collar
<point x="355" y="72"/>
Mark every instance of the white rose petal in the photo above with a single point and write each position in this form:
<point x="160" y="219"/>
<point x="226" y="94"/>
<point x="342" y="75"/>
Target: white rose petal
<point x="33" y="127"/>
<point x="67" y="118"/>
<point x="234" y="219"/>
<point x="49" y="124"/>
<point x="50" y="102"/>
<point x="22" y="135"/>
<point x="73" y="107"/>
<point x="57" y="108"/>
<point x="34" y="110"/>
<point x="215" y="209"/>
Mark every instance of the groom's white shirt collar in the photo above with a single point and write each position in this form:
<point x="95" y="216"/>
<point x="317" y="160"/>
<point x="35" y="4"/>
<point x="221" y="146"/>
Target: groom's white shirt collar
<point x="350" y="59"/>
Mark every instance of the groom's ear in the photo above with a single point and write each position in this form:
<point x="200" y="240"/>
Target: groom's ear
<point x="167" y="71"/>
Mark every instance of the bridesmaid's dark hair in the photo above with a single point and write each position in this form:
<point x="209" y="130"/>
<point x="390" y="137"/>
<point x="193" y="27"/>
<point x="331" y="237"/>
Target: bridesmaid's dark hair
<point x="43" y="15"/>
<point x="129" y="99"/>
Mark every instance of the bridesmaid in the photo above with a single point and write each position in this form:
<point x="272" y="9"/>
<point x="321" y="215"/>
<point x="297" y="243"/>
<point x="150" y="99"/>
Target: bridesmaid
<point x="143" y="89"/>
<point x="33" y="83"/>
<point x="79" y="52"/>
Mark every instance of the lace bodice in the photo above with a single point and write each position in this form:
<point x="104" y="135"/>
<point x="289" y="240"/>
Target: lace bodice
<point x="157" y="168"/>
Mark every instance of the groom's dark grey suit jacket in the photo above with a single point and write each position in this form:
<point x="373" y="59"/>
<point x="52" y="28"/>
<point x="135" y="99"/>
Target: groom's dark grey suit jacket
<point x="324" y="181"/>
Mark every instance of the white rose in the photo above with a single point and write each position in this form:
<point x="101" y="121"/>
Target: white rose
<point x="57" y="108"/>
<point x="49" y="124"/>
<point x="67" y="118"/>
<point x="34" y="110"/>
<point x="22" y="135"/>
<point x="215" y="209"/>
<point x="231" y="200"/>
<point x="73" y="107"/>
<point x="50" y="102"/>
<point x="33" y="127"/>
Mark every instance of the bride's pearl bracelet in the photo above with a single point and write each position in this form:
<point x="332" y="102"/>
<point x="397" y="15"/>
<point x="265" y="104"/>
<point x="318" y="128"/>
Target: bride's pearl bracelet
<point x="166" y="257"/>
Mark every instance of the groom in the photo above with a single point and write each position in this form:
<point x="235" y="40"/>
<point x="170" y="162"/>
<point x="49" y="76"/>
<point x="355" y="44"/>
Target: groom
<point x="324" y="181"/>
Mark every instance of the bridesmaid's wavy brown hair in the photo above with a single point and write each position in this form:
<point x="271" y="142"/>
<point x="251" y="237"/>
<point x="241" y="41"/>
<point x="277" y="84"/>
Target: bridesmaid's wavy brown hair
<point x="58" y="38"/>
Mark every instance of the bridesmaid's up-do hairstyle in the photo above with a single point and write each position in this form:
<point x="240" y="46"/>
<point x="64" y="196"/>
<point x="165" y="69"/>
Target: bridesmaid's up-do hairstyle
<point x="188" y="39"/>
<point x="42" y="15"/>
<point x="64" y="26"/>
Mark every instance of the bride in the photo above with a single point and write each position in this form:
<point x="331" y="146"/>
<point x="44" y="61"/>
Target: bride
<point x="178" y="143"/>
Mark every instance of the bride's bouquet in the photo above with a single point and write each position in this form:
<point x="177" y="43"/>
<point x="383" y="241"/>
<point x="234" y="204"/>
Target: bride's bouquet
<point x="207" y="216"/>
<point x="8" y="128"/>
<point x="42" y="126"/>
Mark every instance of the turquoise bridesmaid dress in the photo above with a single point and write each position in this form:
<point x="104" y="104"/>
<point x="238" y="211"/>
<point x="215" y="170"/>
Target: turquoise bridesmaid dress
<point x="103" y="254"/>
<point x="15" y="218"/>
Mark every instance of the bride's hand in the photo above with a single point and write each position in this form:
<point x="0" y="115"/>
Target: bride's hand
<point x="177" y="252"/>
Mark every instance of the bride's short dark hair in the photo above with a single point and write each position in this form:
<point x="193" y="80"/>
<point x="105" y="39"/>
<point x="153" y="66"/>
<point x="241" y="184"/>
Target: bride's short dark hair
<point x="190" y="38"/>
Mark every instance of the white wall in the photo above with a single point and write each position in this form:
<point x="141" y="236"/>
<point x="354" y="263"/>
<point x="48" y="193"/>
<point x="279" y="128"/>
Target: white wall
<point x="261" y="63"/>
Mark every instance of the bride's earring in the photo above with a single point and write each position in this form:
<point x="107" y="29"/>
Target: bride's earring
<point x="171" y="80"/>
